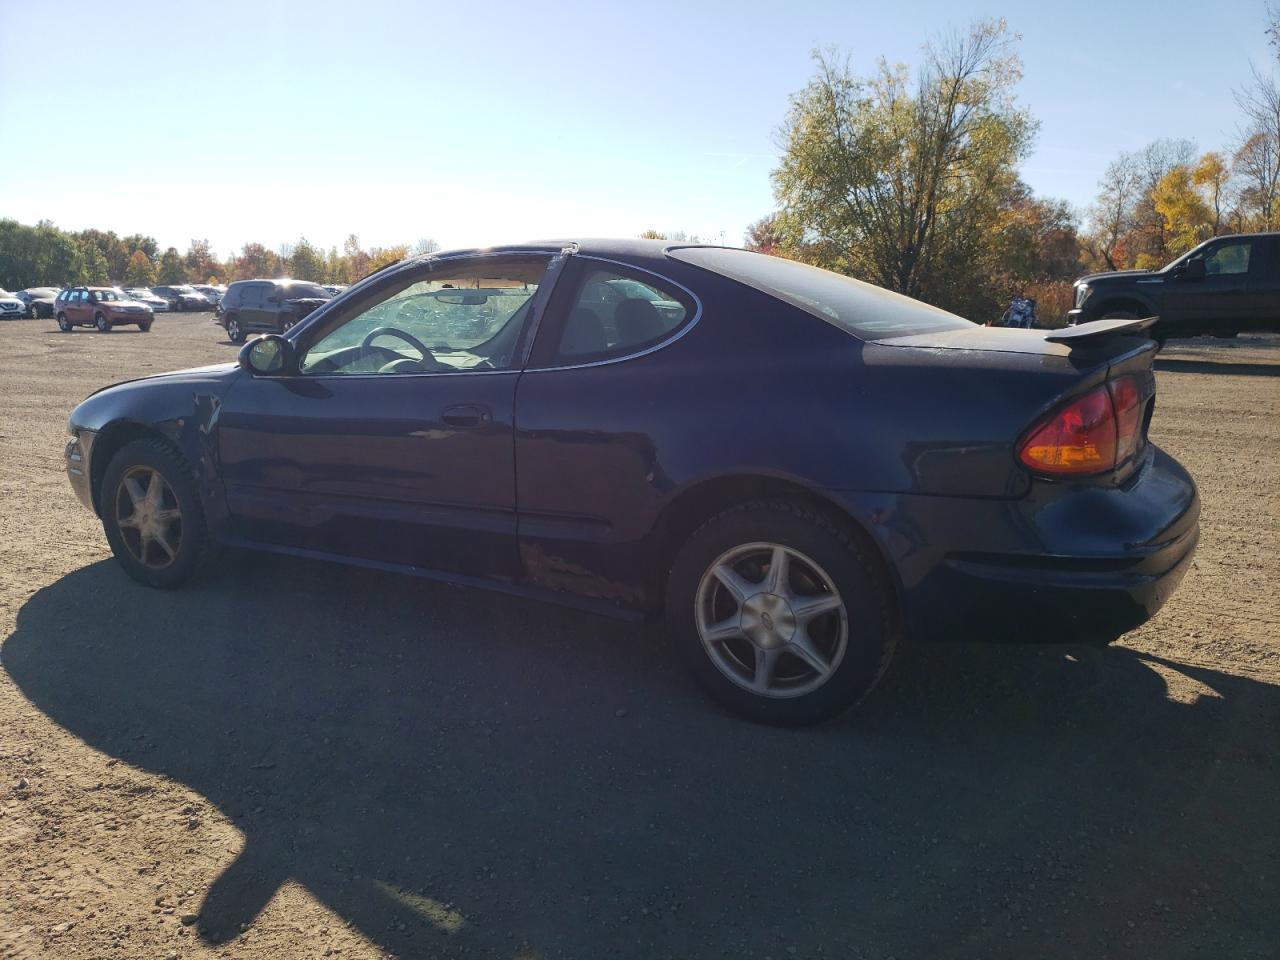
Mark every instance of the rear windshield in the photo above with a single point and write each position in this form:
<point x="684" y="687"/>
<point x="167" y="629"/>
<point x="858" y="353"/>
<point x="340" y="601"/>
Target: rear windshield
<point x="862" y="309"/>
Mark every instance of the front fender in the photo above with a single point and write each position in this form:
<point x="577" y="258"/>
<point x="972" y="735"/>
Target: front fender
<point x="182" y="409"/>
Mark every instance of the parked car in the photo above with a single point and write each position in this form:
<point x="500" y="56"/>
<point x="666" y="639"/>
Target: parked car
<point x="143" y="295"/>
<point x="100" y="307"/>
<point x="12" y="307"/>
<point x="267" y="306"/>
<point x="211" y="292"/>
<point x="38" y="300"/>
<point x="797" y="469"/>
<point x="1225" y="286"/>
<point x="182" y="297"/>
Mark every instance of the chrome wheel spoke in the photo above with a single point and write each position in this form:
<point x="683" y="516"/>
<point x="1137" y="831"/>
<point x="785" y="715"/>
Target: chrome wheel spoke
<point x="806" y="608"/>
<point x="130" y="522"/>
<point x="732" y="581"/>
<point x="766" y="662"/>
<point x="724" y="630"/>
<point x="802" y="646"/>
<point x="168" y="514"/>
<point x="776" y="579"/>
<point x="161" y="538"/>
<point x="135" y="491"/>
<point x="155" y="491"/>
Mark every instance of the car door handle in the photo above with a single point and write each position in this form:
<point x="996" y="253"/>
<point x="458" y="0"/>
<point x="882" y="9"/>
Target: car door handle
<point x="467" y="415"/>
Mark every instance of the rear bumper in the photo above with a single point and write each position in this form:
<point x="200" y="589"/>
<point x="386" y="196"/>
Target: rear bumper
<point x="1065" y="563"/>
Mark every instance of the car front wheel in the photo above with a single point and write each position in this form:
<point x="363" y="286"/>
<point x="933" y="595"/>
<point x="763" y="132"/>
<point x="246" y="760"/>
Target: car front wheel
<point x="63" y="323"/>
<point x="152" y="515"/>
<point x="145" y="327"/>
<point x="780" y="614"/>
<point x="100" y="321"/>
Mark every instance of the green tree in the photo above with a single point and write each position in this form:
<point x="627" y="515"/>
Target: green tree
<point x="96" y="269"/>
<point x="140" y="272"/>
<point x="899" y="182"/>
<point x="148" y="245"/>
<point x="306" y="262"/>
<point x="172" y="269"/>
<point x="255" y="262"/>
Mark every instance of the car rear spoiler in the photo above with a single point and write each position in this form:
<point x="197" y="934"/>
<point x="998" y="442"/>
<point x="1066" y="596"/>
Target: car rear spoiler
<point x="1087" y="334"/>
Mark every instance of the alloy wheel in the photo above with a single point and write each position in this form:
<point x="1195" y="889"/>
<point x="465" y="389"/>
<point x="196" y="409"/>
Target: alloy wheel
<point x="771" y="620"/>
<point x="149" y="517"/>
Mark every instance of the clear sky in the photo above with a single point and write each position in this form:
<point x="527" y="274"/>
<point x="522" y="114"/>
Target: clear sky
<point x="486" y="122"/>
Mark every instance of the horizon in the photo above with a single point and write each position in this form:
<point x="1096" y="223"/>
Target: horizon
<point x="613" y="141"/>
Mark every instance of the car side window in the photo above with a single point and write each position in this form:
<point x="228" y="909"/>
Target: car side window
<point x="1229" y="258"/>
<point x="614" y="314"/>
<point x="447" y="317"/>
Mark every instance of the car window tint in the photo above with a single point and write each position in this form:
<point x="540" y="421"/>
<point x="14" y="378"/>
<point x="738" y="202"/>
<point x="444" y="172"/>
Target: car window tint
<point x="1230" y="258"/>
<point x="614" y="315"/>
<point x="458" y="317"/>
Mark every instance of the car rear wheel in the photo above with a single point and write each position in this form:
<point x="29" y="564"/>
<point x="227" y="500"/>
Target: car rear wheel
<point x="234" y="331"/>
<point x="100" y="321"/>
<point x="145" y="327"/>
<point x="779" y="614"/>
<point x="152" y="515"/>
<point x="63" y="323"/>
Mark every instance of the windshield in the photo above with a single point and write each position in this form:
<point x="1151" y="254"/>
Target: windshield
<point x="862" y="309"/>
<point x="299" y="291"/>
<point x="101" y="295"/>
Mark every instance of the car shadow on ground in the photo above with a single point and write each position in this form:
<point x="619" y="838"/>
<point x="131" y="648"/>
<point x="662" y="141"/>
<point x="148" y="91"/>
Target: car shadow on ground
<point x="449" y="770"/>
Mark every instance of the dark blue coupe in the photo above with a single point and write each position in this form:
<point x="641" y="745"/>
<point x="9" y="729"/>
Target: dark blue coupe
<point x="797" y="469"/>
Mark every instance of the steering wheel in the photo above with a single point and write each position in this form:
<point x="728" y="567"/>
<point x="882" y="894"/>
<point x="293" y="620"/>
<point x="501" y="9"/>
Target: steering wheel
<point x="399" y="334"/>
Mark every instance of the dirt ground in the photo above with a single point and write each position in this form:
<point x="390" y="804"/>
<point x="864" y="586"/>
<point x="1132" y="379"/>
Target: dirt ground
<point x="292" y="759"/>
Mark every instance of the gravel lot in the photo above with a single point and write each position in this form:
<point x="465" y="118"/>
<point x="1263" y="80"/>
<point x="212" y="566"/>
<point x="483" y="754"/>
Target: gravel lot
<point x="293" y="759"/>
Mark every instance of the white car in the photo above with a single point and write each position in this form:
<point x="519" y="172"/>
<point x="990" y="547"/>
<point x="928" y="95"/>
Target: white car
<point x="143" y="295"/>
<point x="11" y="308"/>
<point x="214" y="294"/>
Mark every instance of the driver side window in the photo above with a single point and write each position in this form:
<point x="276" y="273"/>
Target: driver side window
<point x="448" y="317"/>
<point x="1229" y="258"/>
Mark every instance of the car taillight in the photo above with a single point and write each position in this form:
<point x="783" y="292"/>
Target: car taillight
<point x="1094" y="433"/>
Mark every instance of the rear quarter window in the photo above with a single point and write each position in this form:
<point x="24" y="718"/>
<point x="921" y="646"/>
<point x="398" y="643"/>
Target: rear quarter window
<point x="862" y="309"/>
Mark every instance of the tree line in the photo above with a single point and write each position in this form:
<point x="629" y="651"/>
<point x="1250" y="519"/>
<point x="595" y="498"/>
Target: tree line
<point x="910" y="180"/>
<point x="42" y="255"/>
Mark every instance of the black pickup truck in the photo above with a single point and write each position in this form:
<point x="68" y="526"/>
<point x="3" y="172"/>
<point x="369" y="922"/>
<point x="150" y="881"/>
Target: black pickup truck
<point x="1225" y="286"/>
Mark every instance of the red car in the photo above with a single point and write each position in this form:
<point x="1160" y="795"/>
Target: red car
<point x="101" y="307"/>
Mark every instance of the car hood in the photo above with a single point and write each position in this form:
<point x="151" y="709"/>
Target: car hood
<point x="1116" y="275"/>
<point x="214" y="371"/>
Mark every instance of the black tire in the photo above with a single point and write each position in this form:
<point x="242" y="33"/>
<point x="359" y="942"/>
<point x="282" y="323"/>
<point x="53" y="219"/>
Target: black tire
<point x="872" y="630"/>
<point x="145" y="327"/>
<point x="193" y="538"/>
<point x="235" y="333"/>
<point x="33" y="312"/>
<point x="177" y="305"/>
<point x="100" y="321"/>
<point x="63" y="323"/>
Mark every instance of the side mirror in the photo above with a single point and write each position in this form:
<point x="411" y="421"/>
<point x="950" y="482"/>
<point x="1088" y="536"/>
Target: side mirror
<point x="1192" y="270"/>
<point x="268" y="356"/>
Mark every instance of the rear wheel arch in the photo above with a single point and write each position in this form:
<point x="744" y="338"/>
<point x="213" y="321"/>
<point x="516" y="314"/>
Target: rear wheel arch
<point x="693" y="507"/>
